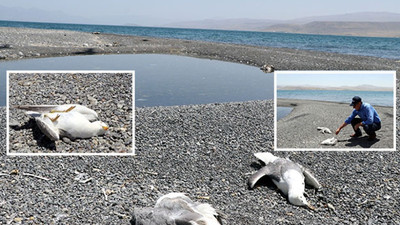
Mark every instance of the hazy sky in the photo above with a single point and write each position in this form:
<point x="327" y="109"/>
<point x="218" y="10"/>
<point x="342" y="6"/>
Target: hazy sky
<point x="152" y="12"/>
<point x="335" y="80"/>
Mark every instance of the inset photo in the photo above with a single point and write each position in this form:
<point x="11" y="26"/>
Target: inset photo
<point x="335" y="110"/>
<point x="70" y="113"/>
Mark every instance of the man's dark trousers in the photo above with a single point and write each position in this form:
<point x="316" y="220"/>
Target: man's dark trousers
<point x="369" y="129"/>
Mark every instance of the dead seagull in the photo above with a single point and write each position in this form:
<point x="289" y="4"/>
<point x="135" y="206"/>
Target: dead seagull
<point x="176" y="209"/>
<point x="324" y="130"/>
<point x="288" y="176"/>
<point x="72" y="121"/>
<point x="329" y="141"/>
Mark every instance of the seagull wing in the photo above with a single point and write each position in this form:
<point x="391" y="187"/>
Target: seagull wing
<point x="37" y="108"/>
<point x="47" y="127"/>
<point x="265" y="171"/>
<point x="90" y="114"/>
<point x="309" y="178"/>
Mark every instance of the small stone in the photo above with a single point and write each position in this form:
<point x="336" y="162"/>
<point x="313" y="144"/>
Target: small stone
<point x="92" y="100"/>
<point x="66" y="140"/>
<point x="387" y="197"/>
<point x="18" y="219"/>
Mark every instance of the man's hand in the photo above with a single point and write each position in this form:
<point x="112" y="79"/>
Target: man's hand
<point x="337" y="131"/>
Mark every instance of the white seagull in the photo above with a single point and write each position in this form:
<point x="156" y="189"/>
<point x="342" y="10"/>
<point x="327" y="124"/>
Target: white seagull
<point x="72" y="121"/>
<point x="288" y="176"/>
<point x="329" y="141"/>
<point x="176" y="209"/>
<point x="324" y="130"/>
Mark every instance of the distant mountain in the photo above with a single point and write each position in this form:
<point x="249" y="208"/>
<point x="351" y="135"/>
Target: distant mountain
<point x="225" y="24"/>
<point x="371" y="29"/>
<point x="353" y="17"/>
<point x="364" y="87"/>
<point x="377" y="24"/>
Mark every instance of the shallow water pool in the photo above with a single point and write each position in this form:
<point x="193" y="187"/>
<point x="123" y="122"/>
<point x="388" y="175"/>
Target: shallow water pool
<point x="164" y="80"/>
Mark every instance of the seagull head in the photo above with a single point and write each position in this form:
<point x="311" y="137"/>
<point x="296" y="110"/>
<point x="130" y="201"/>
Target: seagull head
<point x="103" y="127"/>
<point x="300" y="200"/>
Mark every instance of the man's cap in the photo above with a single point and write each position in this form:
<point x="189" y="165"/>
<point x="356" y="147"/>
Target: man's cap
<point x="355" y="100"/>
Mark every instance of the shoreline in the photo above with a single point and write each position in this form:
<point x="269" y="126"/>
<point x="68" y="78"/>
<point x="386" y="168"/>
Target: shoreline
<point x="35" y="43"/>
<point x="307" y="115"/>
<point x="286" y="102"/>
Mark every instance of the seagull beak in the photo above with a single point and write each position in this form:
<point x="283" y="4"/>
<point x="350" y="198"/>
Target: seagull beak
<point x="105" y="127"/>
<point x="310" y="207"/>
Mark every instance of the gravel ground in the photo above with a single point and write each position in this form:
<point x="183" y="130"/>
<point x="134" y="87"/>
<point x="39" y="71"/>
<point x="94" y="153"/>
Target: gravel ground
<point x="299" y="128"/>
<point x="218" y="140"/>
<point x="109" y="94"/>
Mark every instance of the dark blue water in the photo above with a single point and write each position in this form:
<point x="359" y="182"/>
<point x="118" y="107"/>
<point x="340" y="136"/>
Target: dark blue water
<point x="381" y="98"/>
<point x="367" y="46"/>
<point x="165" y="80"/>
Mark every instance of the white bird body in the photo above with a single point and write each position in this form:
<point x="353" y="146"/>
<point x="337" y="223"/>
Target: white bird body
<point x="329" y="141"/>
<point x="289" y="177"/>
<point x="75" y="125"/>
<point x="324" y="130"/>
<point x="176" y="208"/>
<point x="72" y="121"/>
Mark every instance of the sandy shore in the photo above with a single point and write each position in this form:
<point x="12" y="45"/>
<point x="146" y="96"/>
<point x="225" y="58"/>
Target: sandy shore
<point x="32" y="43"/>
<point x="299" y="128"/>
<point x="202" y="150"/>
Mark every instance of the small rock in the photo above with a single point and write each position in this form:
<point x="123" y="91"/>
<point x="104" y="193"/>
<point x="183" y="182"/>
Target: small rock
<point x="387" y="197"/>
<point x="18" y="219"/>
<point x="92" y="100"/>
<point x="66" y="140"/>
<point x="267" y="68"/>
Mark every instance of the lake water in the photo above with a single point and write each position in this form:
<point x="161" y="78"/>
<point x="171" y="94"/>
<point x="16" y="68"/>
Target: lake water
<point x="165" y="80"/>
<point x="367" y="46"/>
<point x="380" y="98"/>
<point x="282" y="112"/>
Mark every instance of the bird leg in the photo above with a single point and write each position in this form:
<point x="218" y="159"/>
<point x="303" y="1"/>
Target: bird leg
<point x="52" y="119"/>
<point x="310" y="207"/>
<point x="64" y="111"/>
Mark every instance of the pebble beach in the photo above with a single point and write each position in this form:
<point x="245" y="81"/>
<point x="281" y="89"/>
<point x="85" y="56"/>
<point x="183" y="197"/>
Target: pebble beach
<point x="298" y="130"/>
<point x="205" y="151"/>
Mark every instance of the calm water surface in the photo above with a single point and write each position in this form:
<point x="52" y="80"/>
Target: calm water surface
<point x="164" y="80"/>
<point x="381" y="98"/>
<point x="368" y="46"/>
<point x="282" y="112"/>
